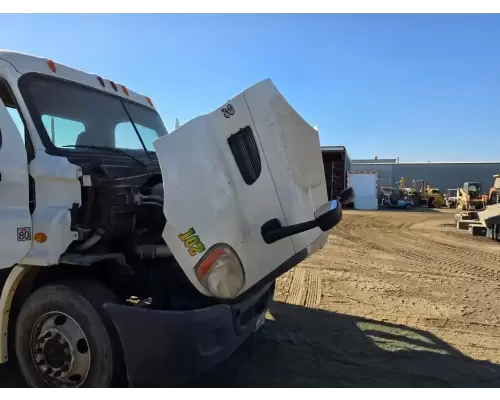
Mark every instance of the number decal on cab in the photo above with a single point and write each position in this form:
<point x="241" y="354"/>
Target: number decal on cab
<point x="24" y="234"/>
<point x="228" y="111"/>
<point x="192" y="242"/>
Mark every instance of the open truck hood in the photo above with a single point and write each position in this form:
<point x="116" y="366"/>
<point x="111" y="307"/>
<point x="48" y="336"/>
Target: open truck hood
<point x="235" y="175"/>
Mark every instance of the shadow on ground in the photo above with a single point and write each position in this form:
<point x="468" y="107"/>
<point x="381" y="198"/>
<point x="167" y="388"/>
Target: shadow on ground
<point x="301" y="347"/>
<point x="312" y="348"/>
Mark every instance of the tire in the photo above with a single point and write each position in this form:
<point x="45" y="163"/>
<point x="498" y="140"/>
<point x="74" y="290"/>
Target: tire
<point x="79" y="302"/>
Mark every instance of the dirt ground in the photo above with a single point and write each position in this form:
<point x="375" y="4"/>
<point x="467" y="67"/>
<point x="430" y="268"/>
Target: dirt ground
<point x="394" y="299"/>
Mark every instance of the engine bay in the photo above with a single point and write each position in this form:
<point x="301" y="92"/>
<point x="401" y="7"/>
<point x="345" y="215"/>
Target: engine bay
<point x="120" y="223"/>
<point x="121" y="210"/>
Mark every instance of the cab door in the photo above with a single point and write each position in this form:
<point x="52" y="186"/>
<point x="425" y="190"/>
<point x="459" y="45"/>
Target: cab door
<point x="15" y="217"/>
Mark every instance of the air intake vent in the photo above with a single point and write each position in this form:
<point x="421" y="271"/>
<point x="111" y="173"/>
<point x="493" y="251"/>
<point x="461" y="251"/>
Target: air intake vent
<point x="246" y="154"/>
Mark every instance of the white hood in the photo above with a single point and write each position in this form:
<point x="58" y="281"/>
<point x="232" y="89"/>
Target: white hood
<point x="280" y="176"/>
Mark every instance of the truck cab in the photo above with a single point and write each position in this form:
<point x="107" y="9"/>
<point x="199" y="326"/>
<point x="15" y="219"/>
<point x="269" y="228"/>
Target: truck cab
<point x="130" y="253"/>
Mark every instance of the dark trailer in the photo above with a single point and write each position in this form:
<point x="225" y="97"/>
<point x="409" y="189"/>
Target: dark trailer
<point x="337" y="163"/>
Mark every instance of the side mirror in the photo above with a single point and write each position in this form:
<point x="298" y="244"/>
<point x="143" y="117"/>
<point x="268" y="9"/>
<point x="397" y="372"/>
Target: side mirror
<point x="347" y="196"/>
<point x="325" y="218"/>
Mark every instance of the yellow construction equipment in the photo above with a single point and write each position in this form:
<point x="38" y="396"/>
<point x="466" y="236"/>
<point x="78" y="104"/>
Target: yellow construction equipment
<point x="470" y="197"/>
<point x="428" y="196"/>
<point x="494" y="192"/>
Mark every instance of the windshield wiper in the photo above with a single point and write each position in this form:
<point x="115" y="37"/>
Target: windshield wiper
<point x="107" y="148"/>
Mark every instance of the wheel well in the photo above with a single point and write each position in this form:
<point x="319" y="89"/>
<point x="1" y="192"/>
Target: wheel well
<point x="37" y="277"/>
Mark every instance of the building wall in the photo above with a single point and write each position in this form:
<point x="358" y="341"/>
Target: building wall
<point x="449" y="176"/>
<point x="441" y="175"/>
<point x="375" y="161"/>
<point x="348" y="162"/>
<point x="386" y="176"/>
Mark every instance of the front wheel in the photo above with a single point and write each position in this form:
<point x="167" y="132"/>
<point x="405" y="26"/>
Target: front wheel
<point x="64" y="338"/>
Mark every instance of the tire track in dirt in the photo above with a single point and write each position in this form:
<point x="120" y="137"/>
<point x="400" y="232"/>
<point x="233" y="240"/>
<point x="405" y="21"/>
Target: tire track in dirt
<point x="313" y="297"/>
<point x="297" y="292"/>
<point x="407" y="268"/>
<point x="393" y="299"/>
<point x="305" y="289"/>
<point x="417" y="259"/>
<point x="454" y="261"/>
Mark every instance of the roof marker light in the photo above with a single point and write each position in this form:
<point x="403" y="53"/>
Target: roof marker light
<point x="125" y="90"/>
<point x="101" y="81"/>
<point x="113" y="86"/>
<point x="149" y="101"/>
<point x="51" y="65"/>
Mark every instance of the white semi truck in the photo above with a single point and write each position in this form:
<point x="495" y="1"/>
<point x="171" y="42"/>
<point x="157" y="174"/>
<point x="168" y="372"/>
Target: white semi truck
<point x="128" y="254"/>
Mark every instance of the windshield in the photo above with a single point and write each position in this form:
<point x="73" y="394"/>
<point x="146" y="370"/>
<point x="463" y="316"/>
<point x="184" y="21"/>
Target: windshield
<point x="72" y="114"/>
<point x="474" y="188"/>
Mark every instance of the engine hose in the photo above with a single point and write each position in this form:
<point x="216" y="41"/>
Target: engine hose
<point x="153" y="251"/>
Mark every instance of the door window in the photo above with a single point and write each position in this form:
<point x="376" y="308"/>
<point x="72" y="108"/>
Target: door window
<point x="11" y="105"/>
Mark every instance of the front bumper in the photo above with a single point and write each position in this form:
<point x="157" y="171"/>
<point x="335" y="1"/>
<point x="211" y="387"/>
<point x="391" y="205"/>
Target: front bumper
<point x="167" y="347"/>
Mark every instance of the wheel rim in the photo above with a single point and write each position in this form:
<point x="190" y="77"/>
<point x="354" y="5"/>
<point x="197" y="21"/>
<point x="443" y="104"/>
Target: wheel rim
<point x="60" y="350"/>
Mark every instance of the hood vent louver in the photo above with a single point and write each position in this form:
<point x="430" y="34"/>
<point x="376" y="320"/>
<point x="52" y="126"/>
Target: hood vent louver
<point x="246" y="154"/>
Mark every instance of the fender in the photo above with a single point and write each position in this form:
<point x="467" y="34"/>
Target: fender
<point x="9" y="290"/>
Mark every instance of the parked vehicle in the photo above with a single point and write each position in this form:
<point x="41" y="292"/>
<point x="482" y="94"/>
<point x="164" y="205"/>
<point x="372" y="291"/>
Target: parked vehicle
<point x="451" y="198"/>
<point x="470" y="197"/>
<point x="428" y="196"/>
<point x="395" y="198"/>
<point x="130" y="253"/>
<point x="494" y="192"/>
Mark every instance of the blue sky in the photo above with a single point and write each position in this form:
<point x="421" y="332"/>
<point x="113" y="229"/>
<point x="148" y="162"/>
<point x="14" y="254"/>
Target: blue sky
<point x="421" y="87"/>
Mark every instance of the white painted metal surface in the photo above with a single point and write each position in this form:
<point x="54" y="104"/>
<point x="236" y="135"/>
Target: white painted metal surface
<point x="293" y="152"/>
<point x="196" y="161"/>
<point x="57" y="189"/>
<point x="56" y="180"/>
<point x="365" y="185"/>
<point x="205" y="189"/>
<point x="15" y="218"/>
<point x="25" y="63"/>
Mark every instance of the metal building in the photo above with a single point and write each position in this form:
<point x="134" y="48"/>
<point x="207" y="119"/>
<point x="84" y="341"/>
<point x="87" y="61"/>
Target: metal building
<point x="337" y="163"/>
<point x="442" y="175"/>
<point x="386" y="175"/>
